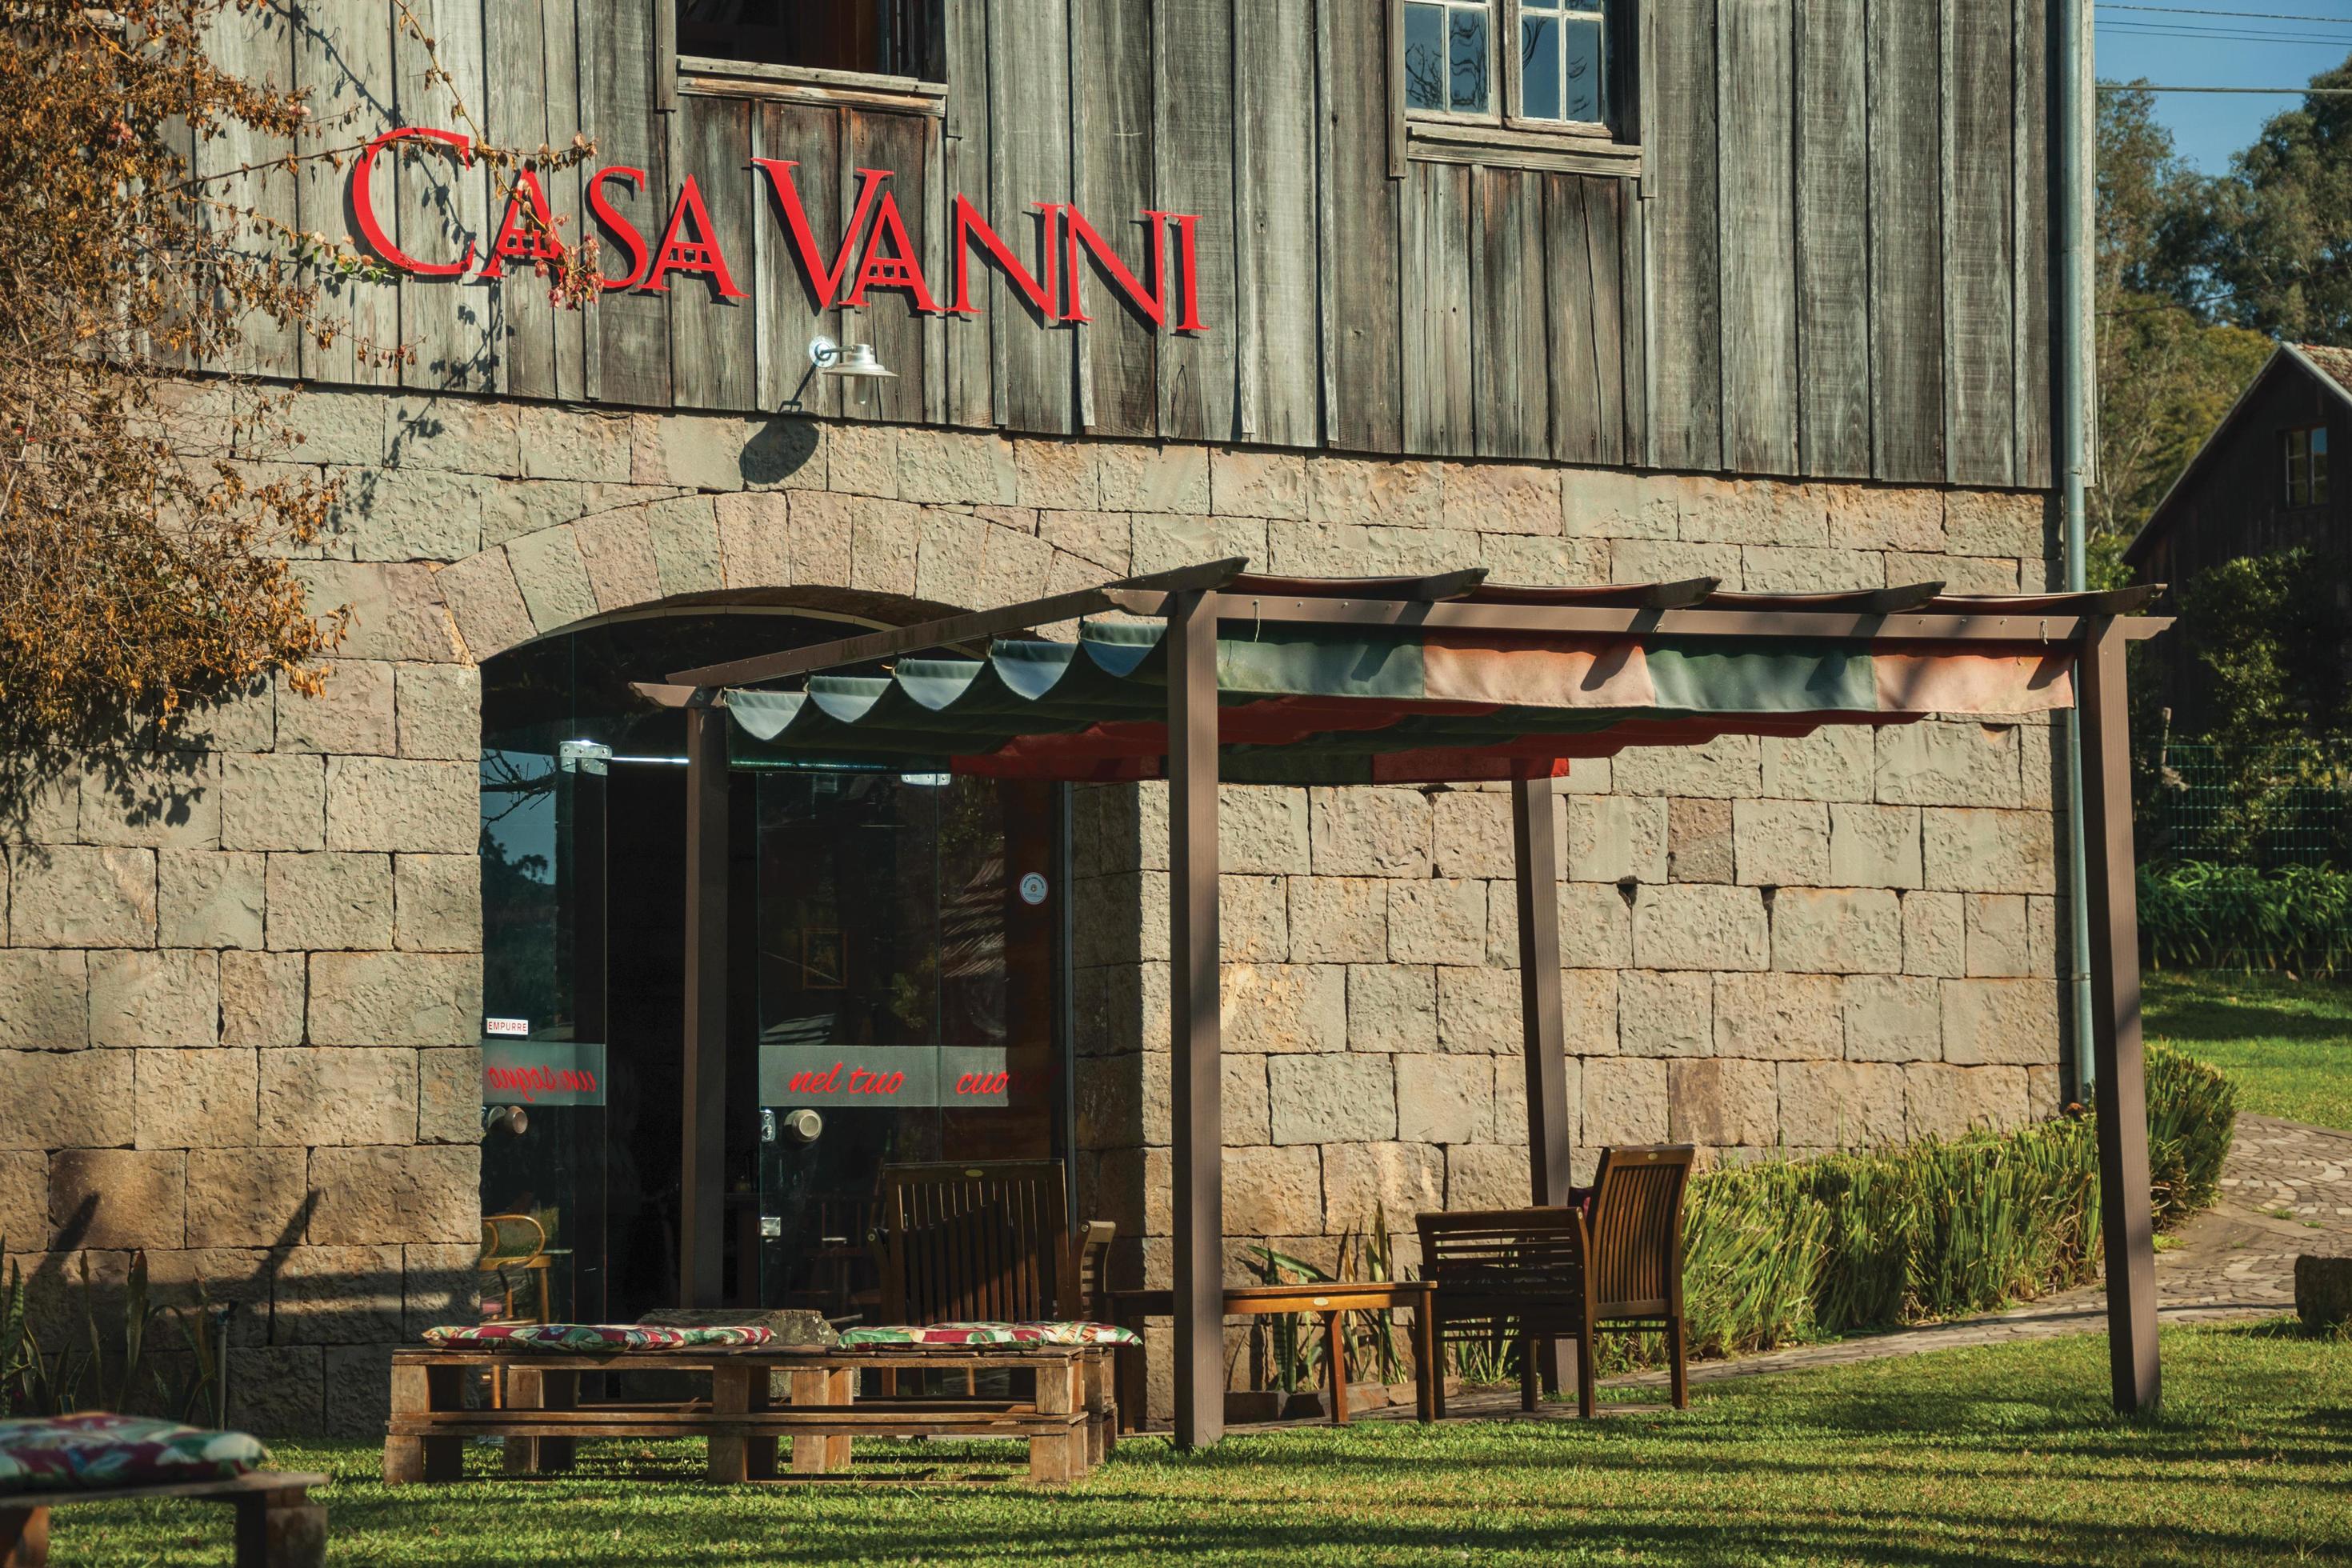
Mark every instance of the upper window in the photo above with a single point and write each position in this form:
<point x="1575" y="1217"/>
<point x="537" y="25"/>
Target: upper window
<point x="2306" y="467"/>
<point x="872" y="37"/>
<point x="1543" y="63"/>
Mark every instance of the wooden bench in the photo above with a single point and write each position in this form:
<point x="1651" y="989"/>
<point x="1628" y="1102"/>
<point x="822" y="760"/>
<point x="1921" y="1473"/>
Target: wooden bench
<point x="1068" y="1423"/>
<point x="277" y="1525"/>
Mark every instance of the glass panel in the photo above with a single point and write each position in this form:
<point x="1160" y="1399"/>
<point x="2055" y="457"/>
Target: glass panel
<point x="1471" y="59"/>
<point x="830" y="35"/>
<point x="2319" y="466"/>
<point x="1424" y="56"/>
<point x="1539" y="68"/>
<point x="890" y="917"/>
<point x="1586" y="96"/>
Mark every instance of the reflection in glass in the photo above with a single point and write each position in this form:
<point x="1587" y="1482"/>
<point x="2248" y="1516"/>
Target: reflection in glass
<point x="1539" y="66"/>
<point x="871" y="909"/>
<point x="1585" y="98"/>
<point x="1469" y="55"/>
<point x="1424" y="56"/>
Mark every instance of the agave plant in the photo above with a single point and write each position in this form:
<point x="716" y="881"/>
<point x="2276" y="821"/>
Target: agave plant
<point x="106" y="1365"/>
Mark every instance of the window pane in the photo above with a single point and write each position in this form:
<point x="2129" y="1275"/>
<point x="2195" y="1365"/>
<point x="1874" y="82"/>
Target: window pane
<point x="2318" y="436"/>
<point x="1471" y="57"/>
<point x="2319" y="468"/>
<point x="1424" y="56"/>
<point x="1539" y="68"/>
<point x="1584" y="96"/>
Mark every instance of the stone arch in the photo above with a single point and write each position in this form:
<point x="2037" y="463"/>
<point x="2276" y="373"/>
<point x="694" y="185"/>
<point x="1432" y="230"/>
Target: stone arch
<point x="861" y="557"/>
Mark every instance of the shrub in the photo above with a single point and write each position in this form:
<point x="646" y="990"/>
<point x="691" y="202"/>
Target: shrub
<point x="2192" y="1109"/>
<point x="2194" y="915"/>
<point x="1786" y="1250"/>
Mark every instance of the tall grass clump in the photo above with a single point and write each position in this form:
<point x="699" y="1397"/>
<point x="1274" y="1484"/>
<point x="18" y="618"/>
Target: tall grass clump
<point x="1784" y="1251"/>
<point x="2194" y="915"/>
<point x="2192" y="1109"/>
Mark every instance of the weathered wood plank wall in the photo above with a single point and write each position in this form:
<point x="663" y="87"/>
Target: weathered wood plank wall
<point x="1833" y="260"/>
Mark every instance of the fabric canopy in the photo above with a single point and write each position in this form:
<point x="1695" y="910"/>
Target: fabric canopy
<point x="1309" y="704"/>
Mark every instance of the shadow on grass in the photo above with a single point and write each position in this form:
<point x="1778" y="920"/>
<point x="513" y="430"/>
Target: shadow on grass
<point x="1084" y="1529"/>
<point x="2247" y="1007"/>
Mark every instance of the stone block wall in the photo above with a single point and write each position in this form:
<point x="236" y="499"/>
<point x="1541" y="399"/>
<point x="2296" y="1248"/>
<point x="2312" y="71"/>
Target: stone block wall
<point x="241" y="981"/>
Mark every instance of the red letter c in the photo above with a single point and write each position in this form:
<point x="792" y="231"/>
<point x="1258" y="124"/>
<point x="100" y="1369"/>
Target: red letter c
<point x="363" y="201"/>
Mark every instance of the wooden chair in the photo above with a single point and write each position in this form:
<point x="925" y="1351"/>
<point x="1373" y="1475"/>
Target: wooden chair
<point x="1093" y="1242"/>
<point x="985" y="1241"/>
<point x="516" y="1242"/>
<point x="1611" y="1264"/>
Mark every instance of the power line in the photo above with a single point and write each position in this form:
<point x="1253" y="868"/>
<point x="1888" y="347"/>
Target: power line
<point x="2216" y="35"/>
<point x="2294" y="91"/>
<point x="2136" y="29"/>
<point x="2234" y="15"/>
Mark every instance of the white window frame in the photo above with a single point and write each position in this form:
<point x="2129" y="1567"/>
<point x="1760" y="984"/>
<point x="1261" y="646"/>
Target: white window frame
<point x="1505" y="105"/>
<point x="1562" y="12"/>
<point x="1503" y="135"/>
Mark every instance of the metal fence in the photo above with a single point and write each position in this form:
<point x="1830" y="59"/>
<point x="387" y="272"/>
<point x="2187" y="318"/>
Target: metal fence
<point x="2263" y="807"/>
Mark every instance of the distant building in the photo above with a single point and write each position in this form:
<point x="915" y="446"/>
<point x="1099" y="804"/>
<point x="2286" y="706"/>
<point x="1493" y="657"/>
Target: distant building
<point x="2260" y="485"/>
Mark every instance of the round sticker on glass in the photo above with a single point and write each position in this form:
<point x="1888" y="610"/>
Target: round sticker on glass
<point x="1032" y="888"/>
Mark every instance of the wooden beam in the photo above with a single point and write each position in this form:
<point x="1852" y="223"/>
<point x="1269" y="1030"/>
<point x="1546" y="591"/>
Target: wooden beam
<point x="1611" y="595"/>
<point x="1421" y="589"/>
<point x="958" y="628"/>
<point x="1925" y="626"/>
<point x="702" y="1172"/>
<point x="1535" y="851"/>
<point x="1196" y="1077"/>
<point x="1534" y="855"/>
<point x="2125" y="1217"/>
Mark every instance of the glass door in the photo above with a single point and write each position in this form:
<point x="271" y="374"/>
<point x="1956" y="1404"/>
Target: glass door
<point x="544" y="1087"/>
<point x="907" y="1011"/>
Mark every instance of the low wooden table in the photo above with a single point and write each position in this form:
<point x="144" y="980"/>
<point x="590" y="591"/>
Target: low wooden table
<point x="1070" y="1424"/>
<point x="1330" y="1302"/>
<point x="277" y="1525"/>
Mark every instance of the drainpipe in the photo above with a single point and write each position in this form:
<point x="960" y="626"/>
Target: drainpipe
<point x="2074" y="135"/>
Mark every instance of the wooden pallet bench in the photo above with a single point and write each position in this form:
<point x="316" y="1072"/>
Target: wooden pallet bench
<point x="1068" y="1423"/>
<point x="277" y="1525"/>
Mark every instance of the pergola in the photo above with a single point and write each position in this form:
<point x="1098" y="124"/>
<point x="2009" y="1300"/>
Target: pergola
<point x="1212" y="673"/>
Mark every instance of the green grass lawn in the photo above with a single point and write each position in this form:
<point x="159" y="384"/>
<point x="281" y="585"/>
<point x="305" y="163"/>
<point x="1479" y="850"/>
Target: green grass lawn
<point x="2006" y="1455"/>
<point x="2287" y="1043"/>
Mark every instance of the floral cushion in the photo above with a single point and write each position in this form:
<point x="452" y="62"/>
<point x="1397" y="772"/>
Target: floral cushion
<point x="1036" y="1333"/>
<point x="579" y="1337"/>
<point x="94" y="1452"/>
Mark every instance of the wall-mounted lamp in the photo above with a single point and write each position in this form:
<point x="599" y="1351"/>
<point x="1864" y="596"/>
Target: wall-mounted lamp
<point x="855" y="362"/>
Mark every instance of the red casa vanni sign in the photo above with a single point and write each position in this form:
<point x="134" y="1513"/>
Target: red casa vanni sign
<point x="663" y="242"/>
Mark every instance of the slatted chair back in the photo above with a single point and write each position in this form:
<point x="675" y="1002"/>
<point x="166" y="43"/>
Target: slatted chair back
<point x="1094" y="1241"/>
<point x="1636" y="1230"/>
<point x="1501" y="1273"/>
<point x="985" y="1241"/>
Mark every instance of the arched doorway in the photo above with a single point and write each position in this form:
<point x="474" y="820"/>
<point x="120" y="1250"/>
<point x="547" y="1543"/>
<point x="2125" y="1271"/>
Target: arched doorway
<point x="897" y="948"/>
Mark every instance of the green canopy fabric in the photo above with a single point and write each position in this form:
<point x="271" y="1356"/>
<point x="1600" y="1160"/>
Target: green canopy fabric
<point x="1309" y="704"/>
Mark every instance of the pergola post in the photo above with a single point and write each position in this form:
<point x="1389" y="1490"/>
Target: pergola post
<point x="1535" y="858"/>
<point x="2125" y="1218"/>
<point x="702" y="1225"/>
<point x="1196" y="1076"/>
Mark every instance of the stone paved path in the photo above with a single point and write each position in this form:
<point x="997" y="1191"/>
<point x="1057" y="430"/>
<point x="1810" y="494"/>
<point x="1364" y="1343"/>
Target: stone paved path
<point x="2286" y="1188"/>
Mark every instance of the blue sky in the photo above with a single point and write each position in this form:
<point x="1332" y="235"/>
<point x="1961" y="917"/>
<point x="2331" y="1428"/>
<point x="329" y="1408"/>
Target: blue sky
<point x="2250" y="43"/>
